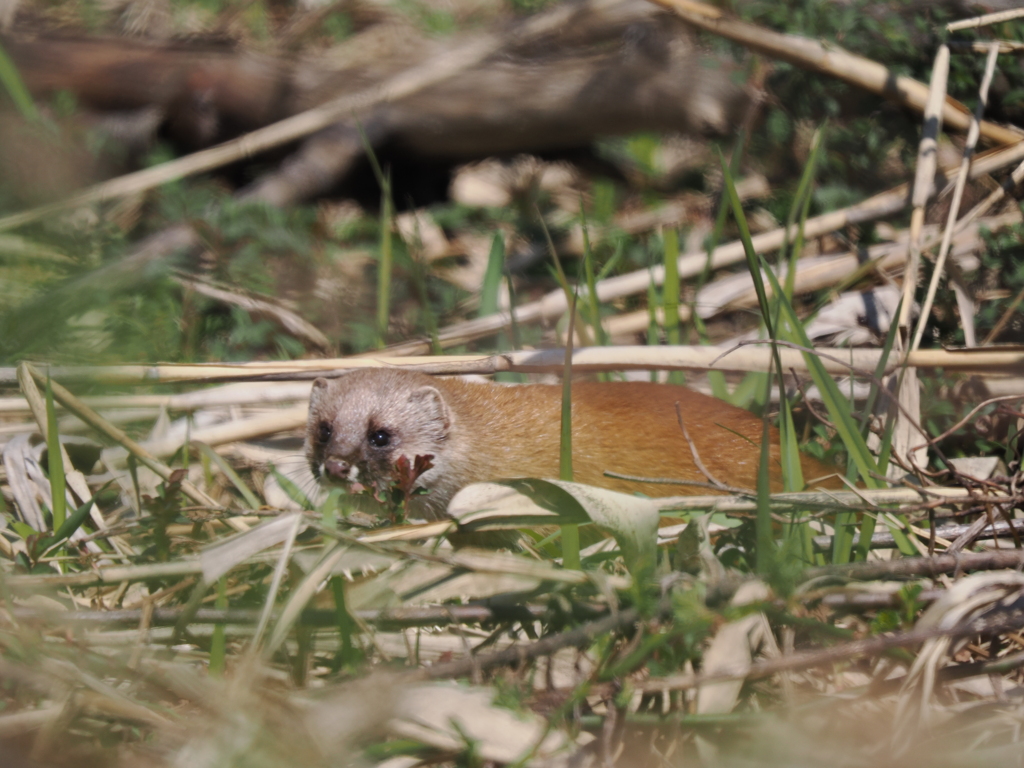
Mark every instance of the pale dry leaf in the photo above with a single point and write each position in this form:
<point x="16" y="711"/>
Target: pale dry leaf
<point x="857" y="317"/>
<point x="732" y="651"/>
<point x="497" y="505"/>
<point x="967" y="598"/>
<point x="908" y="441"/>
<point x="479" y="575"/>
<point x="979" y="467"/>
<point x="220" y="557"/>
<point x="352" y="559"/>
<point x="632" y="520"/>
<point x="19" y="457"/>
<point x="446" y="715"/>
<point x="476" y="586"/>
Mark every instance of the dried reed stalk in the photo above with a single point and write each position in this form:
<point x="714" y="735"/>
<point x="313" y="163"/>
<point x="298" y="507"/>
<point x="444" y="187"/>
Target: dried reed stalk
<point x="585" y="359"/>
<point x="954" y="212"/>
<point x="831" y="60"/>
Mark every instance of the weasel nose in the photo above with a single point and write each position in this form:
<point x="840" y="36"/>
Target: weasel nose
<point x="337" y="469"/>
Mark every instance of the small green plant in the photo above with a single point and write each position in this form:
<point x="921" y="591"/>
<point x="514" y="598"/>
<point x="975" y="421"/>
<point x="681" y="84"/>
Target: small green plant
<point x="163" y="510"/>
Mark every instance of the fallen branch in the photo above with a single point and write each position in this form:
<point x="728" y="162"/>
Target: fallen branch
<point x="994" y="623"/>
<point x="410" y="616"/>
<point x="922" y="566"/>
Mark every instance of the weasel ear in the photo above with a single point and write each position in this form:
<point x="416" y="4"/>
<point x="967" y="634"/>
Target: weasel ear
<point x="318" y="391"/>
<point x="431" y="405"/>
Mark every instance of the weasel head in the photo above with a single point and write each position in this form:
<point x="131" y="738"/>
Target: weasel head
<point x="361" y="423"/>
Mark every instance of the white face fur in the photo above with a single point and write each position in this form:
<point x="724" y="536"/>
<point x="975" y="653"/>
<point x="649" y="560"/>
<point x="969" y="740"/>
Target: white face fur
<point x="362" y="422"/>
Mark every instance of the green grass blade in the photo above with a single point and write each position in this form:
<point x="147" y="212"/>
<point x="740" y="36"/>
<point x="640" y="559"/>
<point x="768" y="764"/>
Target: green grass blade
<point x="490" y="294"/>
<point x="570" y="533"/>
<point x="879" y="373"/>
<point x="74" y="521"/>
<point x="348" y="654"/>
<point x="386" y="260"/>
<point x="765" y="557"/>
<point x="753" y="263"/>
<point x="16" y="89"/>
<point x="754" y="267"/>
<point x="801" y="203"/>
<point x="749" y="391"/>
<point x="792" y="472"/>
<point x="609" y="266"/>
<point x="766" y="551"/>
<point x="842" y="540"/>
<point x="769" y="313"/>
<point x="56" y="461"/>
<point x="715" y="378"/>
<point x="492" y="277"/>
<point x="652" y="319"/>
<point x="593" y="305"/>
<point x="188" y="611"/>
<point x="838" y="406"/>
<point x="838" y="409"/>
<point x="724" y="206"/>
<point x="560" y="276"/>
<point x="513" y="323"/>
<point x="867" y="525"/>
<point x="418" y="275"/>
<point x="670" y="295"/>
<point x="218" y="643"/>
<point x="251" y="500"/>
<point x="385" y="264"/>
<point x="292" y="490"/>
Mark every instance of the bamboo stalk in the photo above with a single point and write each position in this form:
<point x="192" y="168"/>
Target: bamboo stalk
<point x="906" y="431"/>
<point x="924" y="186"/>
<point x="984" y="20"/>
<point x="954" y="211"/>
<point x="832" y="60"/>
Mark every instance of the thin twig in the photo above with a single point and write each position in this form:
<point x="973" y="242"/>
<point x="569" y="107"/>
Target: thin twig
<point x="518" y="655"/>
<point x="411" y="616"/>
<point x="922" y="566"/>
<point x="674" y="481"/>
<point x="872" y="646"/>
<point x="693" y="451"/>
<point x="970" y="416"/>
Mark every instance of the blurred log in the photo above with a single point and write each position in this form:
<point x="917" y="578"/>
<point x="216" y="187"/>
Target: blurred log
<point x="613" y="67"/>
<point x="618" y="68"/>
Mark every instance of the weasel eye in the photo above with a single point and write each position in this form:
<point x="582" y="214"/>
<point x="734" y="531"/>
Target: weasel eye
<point x="380" y="438"/>
<point x="324" y="432"/>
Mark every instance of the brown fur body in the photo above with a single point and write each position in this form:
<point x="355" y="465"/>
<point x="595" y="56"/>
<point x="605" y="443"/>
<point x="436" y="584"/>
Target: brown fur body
<point x="478" y="432"/>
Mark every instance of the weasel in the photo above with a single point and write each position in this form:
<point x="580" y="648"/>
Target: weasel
<point x="362" y="422"/>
